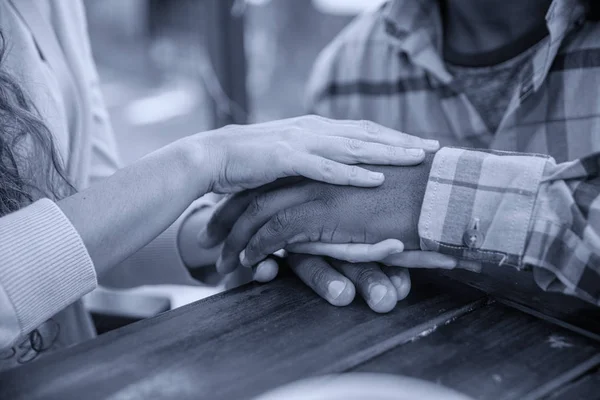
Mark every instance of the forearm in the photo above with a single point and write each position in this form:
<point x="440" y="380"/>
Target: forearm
<point x="123" y="213"/>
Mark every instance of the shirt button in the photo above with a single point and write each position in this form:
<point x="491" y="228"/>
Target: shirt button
<point x="473" y="238"/>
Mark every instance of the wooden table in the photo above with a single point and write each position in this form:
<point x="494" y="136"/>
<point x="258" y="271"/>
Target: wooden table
<point x="241" y="343"/>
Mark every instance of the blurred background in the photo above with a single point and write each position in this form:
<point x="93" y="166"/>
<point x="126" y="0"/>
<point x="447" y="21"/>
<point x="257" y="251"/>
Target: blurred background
<point x="174" y="67"/>
<point x="171" y="68"/>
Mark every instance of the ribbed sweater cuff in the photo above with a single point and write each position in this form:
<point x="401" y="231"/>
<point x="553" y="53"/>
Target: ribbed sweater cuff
<point x="44" y="265"/>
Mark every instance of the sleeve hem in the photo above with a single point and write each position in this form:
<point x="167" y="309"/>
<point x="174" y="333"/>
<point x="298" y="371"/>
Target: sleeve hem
<point x="45" y="265"/>
<point x="478" y="204"/>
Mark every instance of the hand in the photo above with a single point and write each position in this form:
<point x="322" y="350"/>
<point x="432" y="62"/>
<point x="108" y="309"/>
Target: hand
<point x="273" y="217"/>
<point x="337" y="281"/>
<point x="249" y="156"/>
<point x="187" y="242"/>
<point x="357" y="272"/>
<point x="389" y="252"/>
<point x="381" y="286"/>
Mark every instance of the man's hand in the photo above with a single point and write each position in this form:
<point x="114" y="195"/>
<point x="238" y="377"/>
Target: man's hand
<point x="338" y="281"/>
<point x="265" y="220"/>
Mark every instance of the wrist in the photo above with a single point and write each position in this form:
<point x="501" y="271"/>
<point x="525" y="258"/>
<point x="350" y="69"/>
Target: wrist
<point x="199" y="171"/>
<point x="419" y="185"/>
<point x="424" y="170"/>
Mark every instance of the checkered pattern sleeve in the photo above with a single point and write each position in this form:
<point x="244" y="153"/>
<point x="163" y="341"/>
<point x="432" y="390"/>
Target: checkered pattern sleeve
<point x="520" y="210"/>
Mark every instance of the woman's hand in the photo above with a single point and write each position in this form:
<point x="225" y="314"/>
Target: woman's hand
<point x="243" y="157"/>
<point x="389" y="252"/>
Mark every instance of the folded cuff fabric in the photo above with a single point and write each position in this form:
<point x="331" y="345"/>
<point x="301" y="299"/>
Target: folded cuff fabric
<point x="479" y="204"/>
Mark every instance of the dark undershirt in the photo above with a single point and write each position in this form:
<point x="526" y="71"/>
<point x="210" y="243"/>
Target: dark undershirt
<point x="489" y="79"/>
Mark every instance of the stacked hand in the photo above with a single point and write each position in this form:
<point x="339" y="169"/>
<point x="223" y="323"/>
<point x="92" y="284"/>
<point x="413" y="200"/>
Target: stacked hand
<point x="352" y="225"/>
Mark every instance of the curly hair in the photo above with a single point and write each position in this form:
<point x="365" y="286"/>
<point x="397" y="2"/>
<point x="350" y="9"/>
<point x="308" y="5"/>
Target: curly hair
<point x="30" y="165"/>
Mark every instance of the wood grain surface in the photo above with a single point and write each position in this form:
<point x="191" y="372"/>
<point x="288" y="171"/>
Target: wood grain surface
<point x="518" y="289"/>
<point x="244" y="342"/>
<point x="494" y="352"/>
<point x="235" y="345"/>
<point x="585" y="388"/>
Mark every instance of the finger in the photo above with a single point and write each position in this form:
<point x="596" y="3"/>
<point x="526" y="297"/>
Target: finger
<point x="222" y="219"/>
<point x="260" y="209"/>
<point x="324" y="170"/>
<point x="374" y="132"/>
<point x="240" y="276"/>
<point x="321" y="277"/>
<point x="265" y="271"/>
<point x="421" y="259"/>
<point x="302" y="223"/>
<point x="229" y="210"/>
<point x="429" y="259"/>
<point x="351" y="252"/>
<point x="353" y="151"/>
<point x="400" y="278"/>
<point x="372" y="284"/>
<point x="364" y="130"/>
<point x="469" y="265"/>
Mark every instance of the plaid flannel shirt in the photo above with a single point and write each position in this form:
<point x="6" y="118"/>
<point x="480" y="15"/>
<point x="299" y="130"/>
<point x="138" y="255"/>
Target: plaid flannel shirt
<point x="533" y="201"/>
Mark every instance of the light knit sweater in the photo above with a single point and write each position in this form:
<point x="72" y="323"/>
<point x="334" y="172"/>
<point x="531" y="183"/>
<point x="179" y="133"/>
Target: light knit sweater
<point x="44" y="265"/>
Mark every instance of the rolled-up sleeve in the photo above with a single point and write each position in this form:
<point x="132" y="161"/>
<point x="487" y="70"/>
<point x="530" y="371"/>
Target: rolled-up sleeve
<point x="44" y="267"/>
<point x="520" y="210"/>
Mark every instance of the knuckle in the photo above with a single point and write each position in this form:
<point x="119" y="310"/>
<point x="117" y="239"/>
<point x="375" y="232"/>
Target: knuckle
<point x="256" y="207"/>
<point x="354" y="145"/>
<point x="364" y="276"/>
<point x="370" y="127"/>
<point x="317" y="274"/>
<point x="279" y="222"/>
<point x="391" y="152"/>
<point x="327" y="168"/>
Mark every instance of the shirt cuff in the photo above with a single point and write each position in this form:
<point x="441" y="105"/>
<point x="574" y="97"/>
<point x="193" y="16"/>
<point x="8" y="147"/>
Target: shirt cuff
<point x="44" y="268"/>
<point x="478" y="204"/>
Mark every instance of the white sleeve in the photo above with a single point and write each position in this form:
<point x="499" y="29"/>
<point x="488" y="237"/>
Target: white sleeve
<point x="44" y="267"/>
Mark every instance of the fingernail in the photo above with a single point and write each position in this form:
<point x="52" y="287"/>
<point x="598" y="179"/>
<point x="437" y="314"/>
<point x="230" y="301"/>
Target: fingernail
<point x="376" y="176"/>
<point x="434" y="144"/>
<point x="266" y="271"/>
<point x="244" y="260"/>
<point x="377" y="293"/>
<point x="396" y="281"/>
<point x="219" y="264"/>
<point x="396" y="251"/>
<point x="415" y="152"/>
<point x="335" y="289"/>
